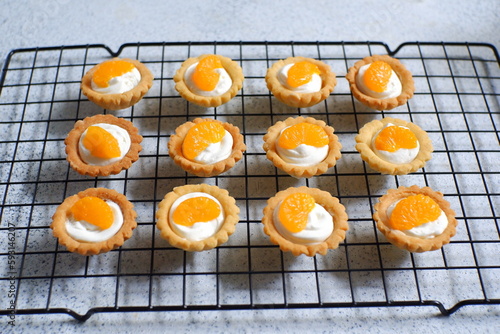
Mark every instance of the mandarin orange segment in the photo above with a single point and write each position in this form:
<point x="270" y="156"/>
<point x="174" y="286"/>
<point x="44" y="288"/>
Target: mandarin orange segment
<point x="200" y="136"/>
<point x="204" y="75"/>
<point x="101" y="143"/>
<point x="377" y="76"/>
<point x="196" y="210"/>
<point x="93" y="210"/>
<point x="303" y="133"/>
<point x="393" y="138"/>
<point x="414" y="211"/>
<point x="301" y="73"/>
<point x="294" y="210"/>
<point x="110" y="69"/>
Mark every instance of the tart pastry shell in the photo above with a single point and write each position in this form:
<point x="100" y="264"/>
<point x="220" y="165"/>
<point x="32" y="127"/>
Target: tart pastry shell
<point x="323" y="198"/>
<point x="410" y="243"/>
<point x="300" y="100"/>
<point x="202" y="170"/>
<point x="92" y="248"/>
<point x="273" y="134"/>
<point x="123" y="100"/>
<point x="231" y="218"/>
<point x="231" y="67"/>
<point x="408" y="86"/>
<point x="364" y="147"/>
<point x="73" y="138"/>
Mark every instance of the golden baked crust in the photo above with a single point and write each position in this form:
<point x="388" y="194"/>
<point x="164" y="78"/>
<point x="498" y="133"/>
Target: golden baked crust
<point x="300" y="100"/>
<point x="202" y="170"/>
<point x="272" y="136"/>
<point x="403" y="241"/>
<point x="81" y="166"/>
<point x="232" y="68"/>
<point x="364" y="147"/>
<point x="231" y="218"/>
<point x="93" y="248"/>
<point x="408" y="87"/>
<point x="323" y="198"/>
<point x="123" y="100"/>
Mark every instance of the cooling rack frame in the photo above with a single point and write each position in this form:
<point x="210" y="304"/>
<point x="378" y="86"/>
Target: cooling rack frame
<point x="454" y="56"/>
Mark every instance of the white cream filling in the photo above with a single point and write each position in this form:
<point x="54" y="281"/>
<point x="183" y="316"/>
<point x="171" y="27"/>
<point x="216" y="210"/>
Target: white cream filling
<point x="84" y="231"/>
<point x="225" y="82"/>
<point x="200" y="230"/>
<point x="121" y="136"/>
<point x="401" y="156"/>
<point x="312" y="86"/>
<point x="303" y="155"/>
<point x="318" y="228"/>
<point x="424" y="231"/>
<point x="217" y="151"/>
<point x="394" y="87"/>
<point x="120" y="84"/>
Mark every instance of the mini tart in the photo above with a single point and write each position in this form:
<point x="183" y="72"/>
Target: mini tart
<point x="231" y="67"/>
<point x="93" y="248"/>
<point x="123" y="100"/>
<point x="81" y="166"/>
<point x="300" y="100"/>
<point x="408" y="87"/>
<point x="364" y="147"/>
<point x="323" y="198"/>
<point x="273" y="134"/>
<point x="202" y="170"/>
<point x="231" y="218"/>
<point x="410" y="243"/>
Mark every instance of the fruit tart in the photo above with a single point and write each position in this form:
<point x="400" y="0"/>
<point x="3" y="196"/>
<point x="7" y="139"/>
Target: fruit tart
<point x="102" y="145"/>
<point x="415" y="219"/>
<point x="300" y="82"/>
<point x="117" y="83"/>
<point x="209" y="80"/>
<point x="380" y="82"/>
<point x="94" y="221"/>
<point x="394" y="146"/>
<point x="197" y="217"/>
<point x="305" y="221"/>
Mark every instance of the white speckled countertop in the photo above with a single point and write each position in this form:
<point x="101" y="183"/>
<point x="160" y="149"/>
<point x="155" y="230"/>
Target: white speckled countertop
<point x="64" y="22"/>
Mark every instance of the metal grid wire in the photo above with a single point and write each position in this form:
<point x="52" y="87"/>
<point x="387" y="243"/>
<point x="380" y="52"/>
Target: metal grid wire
<point x="456" y="102"/>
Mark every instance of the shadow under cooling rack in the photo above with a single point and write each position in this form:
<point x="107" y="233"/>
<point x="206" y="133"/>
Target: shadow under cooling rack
<point x="456" y="102"/>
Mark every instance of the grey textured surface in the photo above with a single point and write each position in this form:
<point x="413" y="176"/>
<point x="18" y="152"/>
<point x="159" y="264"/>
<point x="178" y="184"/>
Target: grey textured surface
<point x="62" y="22"/>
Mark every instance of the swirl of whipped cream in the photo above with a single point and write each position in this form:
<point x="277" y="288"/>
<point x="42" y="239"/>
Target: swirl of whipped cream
<point x="84" y="231"/>
<point x="303" y="155"/>
<point x="425" y="231"/>
<point x="318" y="228"/>
<point x="401" y="156"/>
<point x="198" y="231"/>
<point x="121" y="136"/>
<point x="394" y="87"/>
<point x="312" y="86"/>
<point x="217" y="151"/>
<point x="225" y="82"/>
<point x="119" y="84"/>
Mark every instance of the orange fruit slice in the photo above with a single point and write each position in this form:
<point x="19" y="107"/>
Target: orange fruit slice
<point x="301" y="73"/>
<point x="200" y="136"/>
<point x="93" y="210"/>
<point x="110" y="69"/>
<point x="204" y="76"/>
<point x="294" y="210"/>
<point x="303" y="133"/>
<point x="413" y="211"/>
<point x="377" y="76"/>
<point x="101" y="143"/>
<point x="196" y="210"/>
<point x="393" y="138"/>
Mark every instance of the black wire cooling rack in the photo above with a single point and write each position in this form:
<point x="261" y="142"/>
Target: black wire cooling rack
<point x="456" y="102"/>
